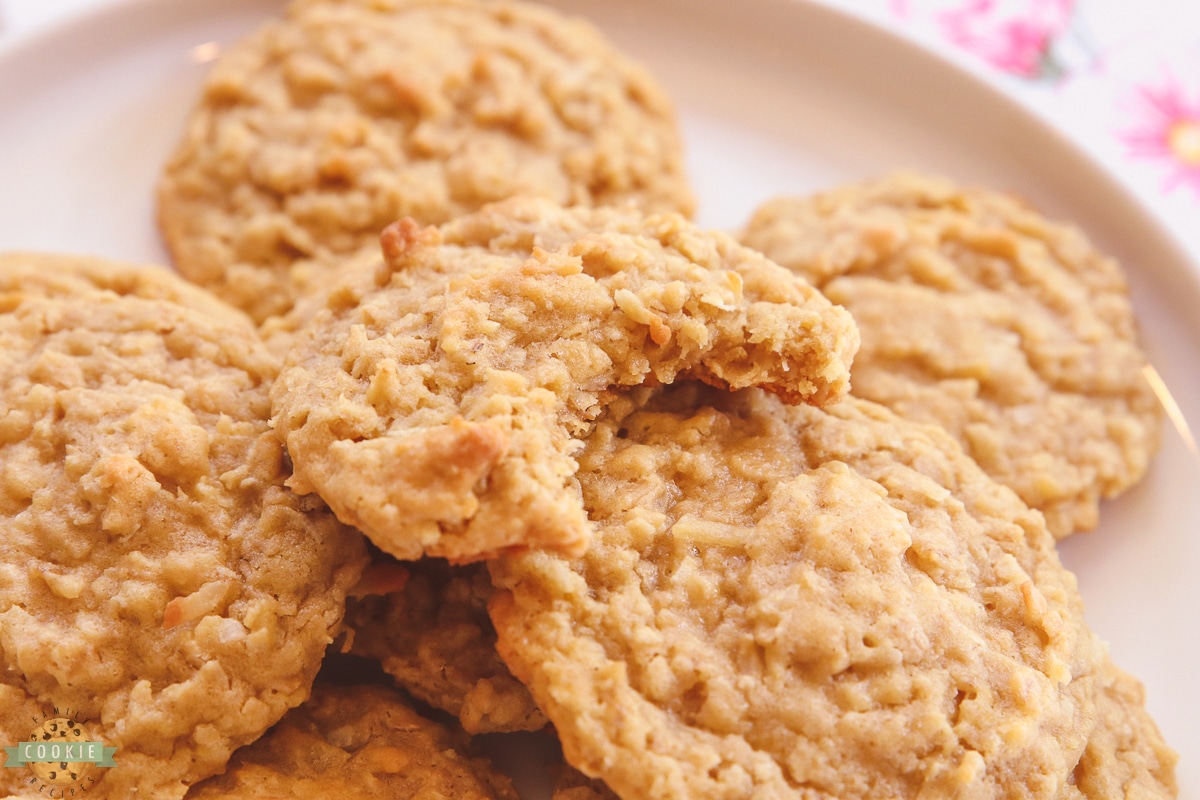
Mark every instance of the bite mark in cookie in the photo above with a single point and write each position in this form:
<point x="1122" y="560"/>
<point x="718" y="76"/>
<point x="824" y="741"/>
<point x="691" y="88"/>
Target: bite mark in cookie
<point x="437" y="401"/>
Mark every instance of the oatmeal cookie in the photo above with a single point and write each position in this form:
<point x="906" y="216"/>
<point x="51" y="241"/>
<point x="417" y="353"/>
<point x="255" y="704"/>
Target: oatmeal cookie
<point x="156" y="576"/>
<point x="980" y="315"/>
<point x="574" y="785"/>
<point x="31" y="274"/>
<point x="1126" y="755"/>
<point x="789" y="602"/>
<point x="435" y="403"/>
<point x="322" y="128"/>
<point x="434" y="636"/>
<point x="357" y="741"/>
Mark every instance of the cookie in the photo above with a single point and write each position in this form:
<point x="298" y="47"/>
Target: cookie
<point x="978" y="314"/>
<point x="1126" y="755"/>
<point x="435" y="403"/>
<point x="434" y="636"/>
<point x="319" y="130"/>
<point x="357" y="741"/>
<point x="157" y="578"/>
<point x="60" y="275"/>
<point x="574" y="785"/>
<point x="785" y="602"/>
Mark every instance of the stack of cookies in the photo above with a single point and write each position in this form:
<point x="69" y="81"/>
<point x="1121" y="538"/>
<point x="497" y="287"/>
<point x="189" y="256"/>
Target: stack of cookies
<point x="452" y="400"/>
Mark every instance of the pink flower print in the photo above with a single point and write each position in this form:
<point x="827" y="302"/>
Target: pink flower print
<point x="1016" y="36"/>
<point x="1170" y="131"/>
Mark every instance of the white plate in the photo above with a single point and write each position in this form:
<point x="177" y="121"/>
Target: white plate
<point x="776" y="96"/>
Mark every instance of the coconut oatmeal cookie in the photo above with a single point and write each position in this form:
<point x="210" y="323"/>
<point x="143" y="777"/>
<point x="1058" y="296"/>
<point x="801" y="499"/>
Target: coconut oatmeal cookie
<point x="572" y="784"/>
<point x="789" y="602"/>
<point x="59" y="275"/>
<point x="1126" y="755"/>
<point x="436" y="403"/>
<point x="157" y="577"/>
<point x="357" y="741"/>
<point x="434" y="637"/>
<point x="319" y="130"/>
<point x="980" y="315"/>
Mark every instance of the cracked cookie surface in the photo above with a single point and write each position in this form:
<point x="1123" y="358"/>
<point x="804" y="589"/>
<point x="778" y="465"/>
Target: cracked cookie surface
<point x="319" y="130"/>
<point x="436" y="402"/>
<point x="980" y="315"/>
